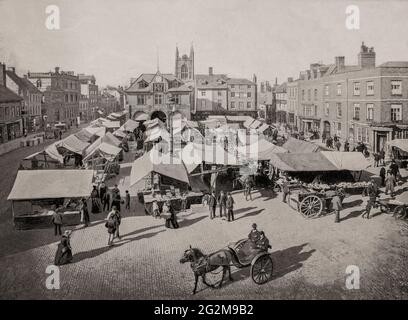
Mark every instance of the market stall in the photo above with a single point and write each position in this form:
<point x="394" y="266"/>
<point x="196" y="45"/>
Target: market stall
<point x="35" y="192"/>
<point x="399" y="151"/>
<point x="314" y="177"/>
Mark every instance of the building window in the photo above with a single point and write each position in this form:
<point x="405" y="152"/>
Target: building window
<point x="203" y="93"/>
<point x="249" y="105"/>
<point x="327" y="109"/>
<point x="303" y="95"/>
<point x="232" y="86"/>
<point x="307" y="110"/>
<point x="184" y="72"/>
<point x="356" y="110"/>
<point x="219" y="103"/>
<point x="326" y="90"/>
<point x="315" y="94"/>
<point x="338" y="107"/>
<point x="396" y="87"/>
<point x="158" y="99"/>
<point x="309" y="94"/>
<point x="176" y="98"/>
<point x="315" y="110"/>
<point x="248" y="94"/>
<point x="356" y="88"/>
<point x="370" y="88"/>
<point x="141" y="100"/>
<point x="219" y="93"/>
<point x="370" y="111"/>
<point x="249" y="86"/>
<point x="241" y="105"/>
<point x="339" y="89"/>
<point x="232" y="105"/>
<point x="232" y="94"/>
<point x="396" y="114"/>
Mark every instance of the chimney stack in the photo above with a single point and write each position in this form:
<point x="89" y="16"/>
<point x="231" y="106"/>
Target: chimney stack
<point x="57" y="69"/>
<point x="366" y="57"/>
<point x="340" y="63"/>
<point x="290" y="79"/>
<point x="210" y="71"/>
<point x="2" y="74"/>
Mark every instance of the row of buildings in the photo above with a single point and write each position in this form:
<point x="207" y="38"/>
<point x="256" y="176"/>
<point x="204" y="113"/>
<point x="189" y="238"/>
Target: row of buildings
<point x="193" y="96"/>
<point x="361" y="103"/>
<point x="37" y="100"/>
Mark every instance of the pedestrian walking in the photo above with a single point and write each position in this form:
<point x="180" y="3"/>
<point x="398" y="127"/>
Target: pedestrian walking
<point x="60" y="134"/>
<point x="213" y="205"/>
<point x="102" y="190"/>
<point x="64" y="251"/>
<point x="372" y="192"/>
<point x="390" y="183"/>
<point x="382" y="157"/>
<point x="84" y="212"/>
<point x="230" y="207"/>
<point x="248" y="188"/>
<point x="112" y="223"/>
<point x="96" y="202"/>
<point x="127" y="200"/>
<point x="171" y="222"/>
<point x="116" y="200"/>
<point x="337" y="206"/>
<point x="346" y="146"/>
<point x="382" y="176"/>
<point x="394" y="169"/>
<point x="106" y="201"/>
<point x="56" y="220"/>
<point x="338" y="145"/>
<point x="285" y="189"/>
<point x="222" y="202"/>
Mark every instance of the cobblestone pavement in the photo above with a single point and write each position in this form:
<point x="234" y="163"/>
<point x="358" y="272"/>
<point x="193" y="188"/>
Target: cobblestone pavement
<point x="310" y="257"/>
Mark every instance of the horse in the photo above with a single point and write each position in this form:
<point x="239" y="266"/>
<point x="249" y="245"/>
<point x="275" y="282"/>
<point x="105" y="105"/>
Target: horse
<point x="202" y="264"/>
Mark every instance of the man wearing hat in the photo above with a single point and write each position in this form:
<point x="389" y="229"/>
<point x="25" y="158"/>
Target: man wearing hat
<point x="254" y="235"/>
<point x="372" y="192"/>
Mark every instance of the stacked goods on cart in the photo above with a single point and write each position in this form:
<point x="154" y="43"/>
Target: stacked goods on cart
<point x="343" y="185"/>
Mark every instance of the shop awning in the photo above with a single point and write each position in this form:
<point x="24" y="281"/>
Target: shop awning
<point x="400" y="144"/>
<point x="51" y="184"/>
<point x="154" y="161"/>
<point x="352" y="161"/>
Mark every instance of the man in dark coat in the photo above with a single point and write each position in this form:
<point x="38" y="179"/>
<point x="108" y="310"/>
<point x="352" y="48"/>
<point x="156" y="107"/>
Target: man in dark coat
<point x="106" y="201"/>
<point x="222" y="202"/>
<point x="394" y="169"/>
<point x="230" y="207"/>
<point x="212" y="204"/>
<point x="382" y="175"/>
<point x="372" y="192"/>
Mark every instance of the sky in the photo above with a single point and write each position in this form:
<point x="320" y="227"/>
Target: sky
<point x="119" y="39"/>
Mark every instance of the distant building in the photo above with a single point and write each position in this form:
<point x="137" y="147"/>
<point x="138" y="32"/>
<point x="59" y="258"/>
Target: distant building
<point x="184" y="66"/>
<point x="11" y="123"/>
<point x="107" y="102"/>
<point x="363" y="102"/>
<point x="31" y="108"/>
<point x="89" y="91"/>
<point x="61" y="92"/>
<point x="281" y="104"/>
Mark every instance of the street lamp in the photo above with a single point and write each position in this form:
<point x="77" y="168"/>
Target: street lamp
<point x="172" y="108"/>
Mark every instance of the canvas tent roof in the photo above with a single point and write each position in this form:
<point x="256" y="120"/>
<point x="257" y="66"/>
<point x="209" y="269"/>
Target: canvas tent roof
<point x="111" y="124"/>
<point x="142" y="117"/>
<point x="50" y="184"/>
<point x="97" y="131"/>
<point x="130" y="125"/>
<point x="84" y="135"/>
<point x="119" y="133"/>
<point x="99" y="121"/>
<point x="111" y="139"/>
<point x="248" y="122"/>
<point x="260" y="150"/>
<point x="72" y="143"/>
<point x="300" y="146"/>
<point x="154" y="161"/>
<point x="255" y="124"/>
<point x="262" y="128"/>
<point x="193" y="154"/>
<point x="400" y="144"/>
<point x="307" y="162"/>
<point x="353" y="161"/>
<point x="105" y="149"/>
<point x="157" y="132"/>
<point x="52" y="151"/>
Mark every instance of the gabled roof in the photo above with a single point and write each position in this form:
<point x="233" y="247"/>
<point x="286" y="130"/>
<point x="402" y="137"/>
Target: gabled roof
<point x="6" y="95"/>
<point x="216" y="81"/>
<point x="395" y="64"/>
<point x="148" y="78"/>
<point x="240" y="81"/>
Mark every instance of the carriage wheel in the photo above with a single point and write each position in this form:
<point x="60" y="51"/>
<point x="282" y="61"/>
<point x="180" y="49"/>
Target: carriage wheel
<point x="261" y="269"/>
<point x="400" y="212"/>
<point x="311" y="206"/>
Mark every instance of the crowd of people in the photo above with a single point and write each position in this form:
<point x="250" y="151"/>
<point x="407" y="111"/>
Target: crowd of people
<point x="224" y="201"/>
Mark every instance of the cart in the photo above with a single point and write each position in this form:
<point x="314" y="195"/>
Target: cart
<point x="310" y="203"/>
<point x="259" y="260"/>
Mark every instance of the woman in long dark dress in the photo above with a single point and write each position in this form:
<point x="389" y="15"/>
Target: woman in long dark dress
<point x="64" y="251"/>
<point x="85" y="213"/>
<point x="96" y="202"/>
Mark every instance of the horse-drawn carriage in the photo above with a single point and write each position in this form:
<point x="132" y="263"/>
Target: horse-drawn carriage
<point x="241" y="254"/>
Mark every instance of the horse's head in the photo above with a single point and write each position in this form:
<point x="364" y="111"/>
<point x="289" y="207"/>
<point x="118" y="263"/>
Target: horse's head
<point x="191" y="255"/>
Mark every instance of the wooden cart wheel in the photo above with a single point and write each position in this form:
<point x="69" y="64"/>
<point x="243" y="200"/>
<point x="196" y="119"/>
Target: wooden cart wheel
<point x="400" y="212"/>
<point x="262" y="269"/>
<point x="385" y="208"/>
<point x="311" y="206"/>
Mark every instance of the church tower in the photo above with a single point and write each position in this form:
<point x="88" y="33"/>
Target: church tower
<point x="184" y="66"/>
